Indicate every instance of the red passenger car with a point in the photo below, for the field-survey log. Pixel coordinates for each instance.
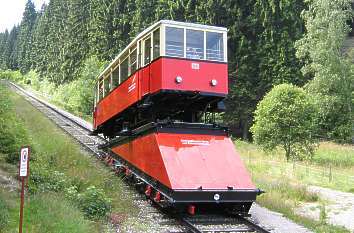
(152, 103)
(171, 69)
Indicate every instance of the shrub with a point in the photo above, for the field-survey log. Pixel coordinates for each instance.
(15, 76)
(285, 117)
(43, 179)
(77, 96)
(94, 203)
(33, 79)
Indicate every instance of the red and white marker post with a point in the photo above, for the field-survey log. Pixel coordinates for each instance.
(23, 172)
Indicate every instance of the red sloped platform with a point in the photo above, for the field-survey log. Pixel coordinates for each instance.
(188, 161)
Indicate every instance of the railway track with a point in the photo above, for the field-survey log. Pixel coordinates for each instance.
(162, 220)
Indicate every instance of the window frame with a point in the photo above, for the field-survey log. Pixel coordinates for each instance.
(147, 37)
(153, 44)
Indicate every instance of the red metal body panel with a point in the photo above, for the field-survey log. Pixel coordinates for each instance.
(188, 161)
(196, 75)
(121, 98)
(161, 75)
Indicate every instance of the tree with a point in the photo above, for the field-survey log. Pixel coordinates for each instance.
(285, 117)
(25, 37)
(261, 54)
(333, 77)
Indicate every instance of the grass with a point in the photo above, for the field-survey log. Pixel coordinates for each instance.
(334, 173)
(44, 213)
(341, 156)
(285, 182)
(64, 155)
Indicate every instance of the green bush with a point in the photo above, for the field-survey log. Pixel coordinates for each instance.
(333, 119)
(32, 78)
(43, 179)
(285, 117)
(4, 214)
(15, 76)
(94, 203)
(77, 96)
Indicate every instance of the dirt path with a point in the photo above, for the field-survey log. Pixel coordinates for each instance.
(338, 206)
(275, 222)
(8, 182)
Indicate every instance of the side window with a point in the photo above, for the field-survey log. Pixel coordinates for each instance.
(147, 51)
(124, 65)
(174, 42)
(140, 55)
(100, 87)
(115, 77)
(133, 61)
(96, 95)
(106, 85)
(156, 44)
(214, 46)
(194, 44)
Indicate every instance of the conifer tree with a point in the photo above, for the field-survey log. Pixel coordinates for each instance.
(25, 38)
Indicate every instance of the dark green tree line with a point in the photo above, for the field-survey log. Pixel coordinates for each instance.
(56, 41)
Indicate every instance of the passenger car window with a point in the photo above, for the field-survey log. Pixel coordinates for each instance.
(147, 51)
(124, 69)
(156, 44)
(214, 46)
(174, 42)
(106, 85)
(100, 88)
(194, 44)
(133, 60)
(115, 77)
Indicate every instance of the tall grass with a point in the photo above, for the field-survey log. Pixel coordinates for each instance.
(331, 174)
(47, 213)
(56, 151)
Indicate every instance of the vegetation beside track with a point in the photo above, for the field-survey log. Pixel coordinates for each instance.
(285, 182)
(61, 171)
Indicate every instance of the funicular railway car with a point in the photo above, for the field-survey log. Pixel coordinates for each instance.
(156, 101)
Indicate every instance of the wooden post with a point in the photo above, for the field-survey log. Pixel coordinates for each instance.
(22, 203)
(23, 174)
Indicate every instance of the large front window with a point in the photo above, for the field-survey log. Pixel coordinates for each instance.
(195, 44)
(174, 42)
(201, 44)
(214, 46)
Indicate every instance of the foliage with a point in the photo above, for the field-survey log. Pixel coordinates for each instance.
(77, 96)
(25, 37)
(15, 76)
(285, 117)
(13, 134)
(43, 179)
(57, 41)
(94, 203)
(66, 33)
(321, 50)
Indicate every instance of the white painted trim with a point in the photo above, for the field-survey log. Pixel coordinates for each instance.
(225, 46)
(184, 42)
(162, 40)
(205, 53)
